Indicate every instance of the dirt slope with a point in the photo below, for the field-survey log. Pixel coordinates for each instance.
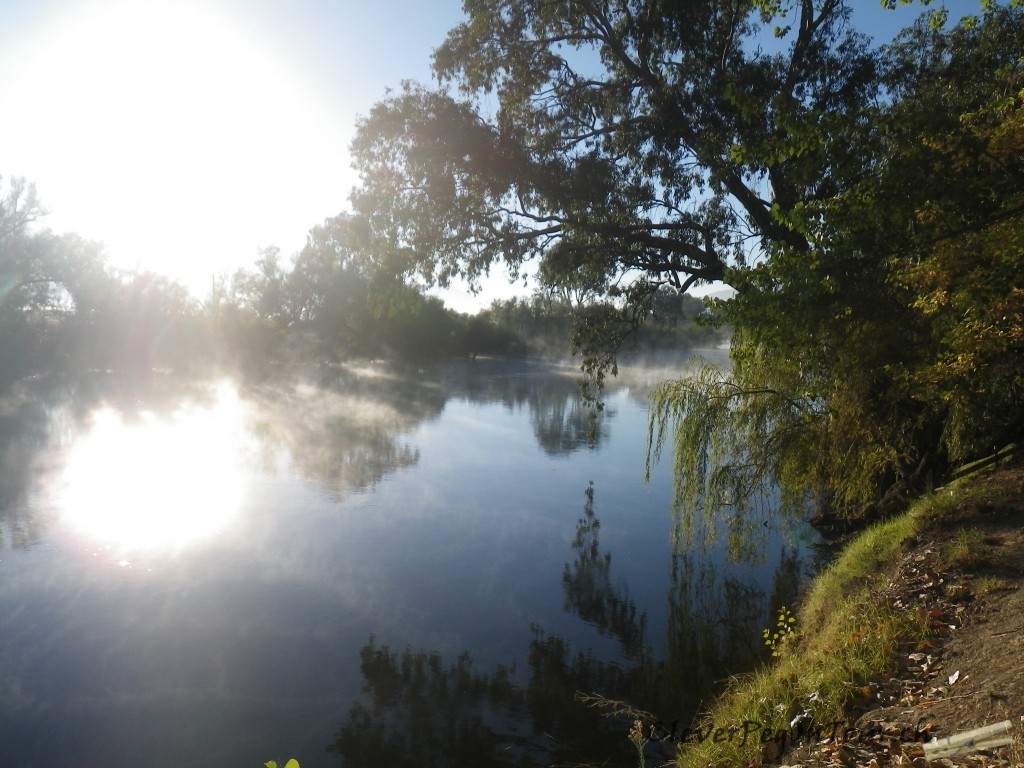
(967, 574)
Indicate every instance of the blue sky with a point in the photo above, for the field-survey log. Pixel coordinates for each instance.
(187, 134)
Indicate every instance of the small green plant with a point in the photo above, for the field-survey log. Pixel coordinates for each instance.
(989, 584)
(293, 763)
(967, 549)
(783, 628)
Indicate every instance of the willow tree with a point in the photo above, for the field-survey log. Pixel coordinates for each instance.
(650, 145)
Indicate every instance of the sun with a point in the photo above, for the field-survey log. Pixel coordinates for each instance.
(170, 131)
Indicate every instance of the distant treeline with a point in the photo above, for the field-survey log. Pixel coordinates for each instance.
(63, 308)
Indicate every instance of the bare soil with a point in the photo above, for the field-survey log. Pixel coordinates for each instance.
(966, 575)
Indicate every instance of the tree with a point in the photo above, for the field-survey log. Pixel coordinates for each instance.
(638, 144)
(963, 143)
(870, 370)
(634, 144)
(20, 260)
(19, 207)
(47, 282)
(330, 286)
(62, 307)
(262, 291)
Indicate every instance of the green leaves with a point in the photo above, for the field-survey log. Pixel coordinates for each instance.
(643, 158)
(858, 199)
(785, 626)
(293, 763)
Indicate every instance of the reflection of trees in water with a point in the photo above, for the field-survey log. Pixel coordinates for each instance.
(715, 619)
(424, 711)
(745, 528)
(789, 574)
(567, 424)
(561, 421)
(24, 436)
(714, 629)
(589, 592)
(343, 431)
(513, 384)
(346, 432)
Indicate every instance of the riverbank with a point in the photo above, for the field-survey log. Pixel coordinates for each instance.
(915, 631)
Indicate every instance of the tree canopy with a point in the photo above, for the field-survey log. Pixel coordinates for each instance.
(645, 143)
(863, 201)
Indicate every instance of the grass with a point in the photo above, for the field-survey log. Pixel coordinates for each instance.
(967, 549)
(988, 584)
(844, 637)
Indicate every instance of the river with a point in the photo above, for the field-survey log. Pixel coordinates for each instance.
(363, 568)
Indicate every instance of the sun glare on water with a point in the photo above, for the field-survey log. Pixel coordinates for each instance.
(155, 483)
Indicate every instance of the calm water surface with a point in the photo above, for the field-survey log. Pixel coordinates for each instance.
(367, 569)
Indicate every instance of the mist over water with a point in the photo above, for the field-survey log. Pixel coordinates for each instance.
(367, 563)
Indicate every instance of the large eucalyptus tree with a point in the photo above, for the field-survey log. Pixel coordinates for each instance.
(647, 141)
(630, 146)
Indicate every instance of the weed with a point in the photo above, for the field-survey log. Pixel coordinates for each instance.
(783, 629)
(989, 584)
(638, 737)
(966, 549)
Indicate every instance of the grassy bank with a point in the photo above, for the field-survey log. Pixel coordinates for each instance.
(844, 636)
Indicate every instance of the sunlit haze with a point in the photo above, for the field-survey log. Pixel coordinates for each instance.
(186, 135)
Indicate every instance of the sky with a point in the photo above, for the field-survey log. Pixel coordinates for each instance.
(185, 135)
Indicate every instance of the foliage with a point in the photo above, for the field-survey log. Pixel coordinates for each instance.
(293, 763)
(61, 307)
(963, 261)
(626, 147)
(864, 203)
(889, 352)
(783, 629)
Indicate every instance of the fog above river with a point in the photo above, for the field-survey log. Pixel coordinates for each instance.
(274, 568)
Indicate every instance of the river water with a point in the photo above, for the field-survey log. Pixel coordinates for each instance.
(361, 569)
